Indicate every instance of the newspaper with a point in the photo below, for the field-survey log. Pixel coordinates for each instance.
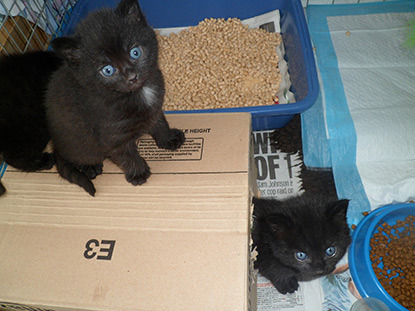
(277, 172)
(278, 177)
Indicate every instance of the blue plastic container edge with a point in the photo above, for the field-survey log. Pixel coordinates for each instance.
(307, 49)
(260, 114)
(359, 248)
(3, 167)
(369, 224)
(263, 117)
(375, 224)
(356, 245)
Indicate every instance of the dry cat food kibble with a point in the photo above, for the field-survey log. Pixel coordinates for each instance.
(219, 64)
(393, 260)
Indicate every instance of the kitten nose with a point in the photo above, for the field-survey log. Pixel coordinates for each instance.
(132, 77)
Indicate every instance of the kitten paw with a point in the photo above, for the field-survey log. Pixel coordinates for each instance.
(2, 189)
(173, 141)
(140, 178)
(289, 285)
(91, 171)
(46, 162)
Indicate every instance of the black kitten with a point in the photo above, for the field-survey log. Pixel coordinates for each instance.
(288, 139)
(299, 238)
(23, 127)
(108, 93)
(303, 237)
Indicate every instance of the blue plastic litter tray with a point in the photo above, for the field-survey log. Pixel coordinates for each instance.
(294, 31)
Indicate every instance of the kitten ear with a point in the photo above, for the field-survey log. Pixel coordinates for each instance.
(67, 48)
(337, 209)
(130, 9)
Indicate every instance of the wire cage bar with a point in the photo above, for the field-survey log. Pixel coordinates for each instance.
(28, 25)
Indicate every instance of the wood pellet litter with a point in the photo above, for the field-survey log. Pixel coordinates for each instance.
(219, 64)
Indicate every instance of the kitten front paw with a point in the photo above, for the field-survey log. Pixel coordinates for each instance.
(285, 286)
(2, 189)
(138, 178)
(174, 140)
(46, 161)
(91, 171)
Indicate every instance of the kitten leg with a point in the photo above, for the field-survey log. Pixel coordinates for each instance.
(71, 173)
(283, 278)
(134, 166)
(46, 161)
(2, 189)
(165, 137)
(91, 171)
(30, 162)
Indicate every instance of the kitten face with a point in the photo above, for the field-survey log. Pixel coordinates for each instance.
(307, 234)
(113, 49)
(121, 72)
(312, 254)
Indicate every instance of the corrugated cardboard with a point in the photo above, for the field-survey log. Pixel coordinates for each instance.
(178, 242)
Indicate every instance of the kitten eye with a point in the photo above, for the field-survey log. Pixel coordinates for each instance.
(108, 71)
(301, 256)
(135, 53)
(331, 251)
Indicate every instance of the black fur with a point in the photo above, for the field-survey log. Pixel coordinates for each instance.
(23, 127)
(308, 224)
(288, 139)
(93, 116)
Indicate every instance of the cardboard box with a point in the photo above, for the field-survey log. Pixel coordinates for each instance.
(180, 242)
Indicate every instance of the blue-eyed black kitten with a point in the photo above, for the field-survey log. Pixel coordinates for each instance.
(23, 127)
(299, 238)
(108, 93)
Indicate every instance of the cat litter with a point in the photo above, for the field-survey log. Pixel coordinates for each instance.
(218, 60)
(296, 52)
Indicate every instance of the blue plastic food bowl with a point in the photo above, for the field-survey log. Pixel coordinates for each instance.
(360, 264)
(294, 31)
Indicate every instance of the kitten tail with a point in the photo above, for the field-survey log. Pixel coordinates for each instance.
(2, 189)
(72, 174)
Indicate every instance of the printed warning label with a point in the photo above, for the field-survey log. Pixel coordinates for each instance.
(192, 149)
